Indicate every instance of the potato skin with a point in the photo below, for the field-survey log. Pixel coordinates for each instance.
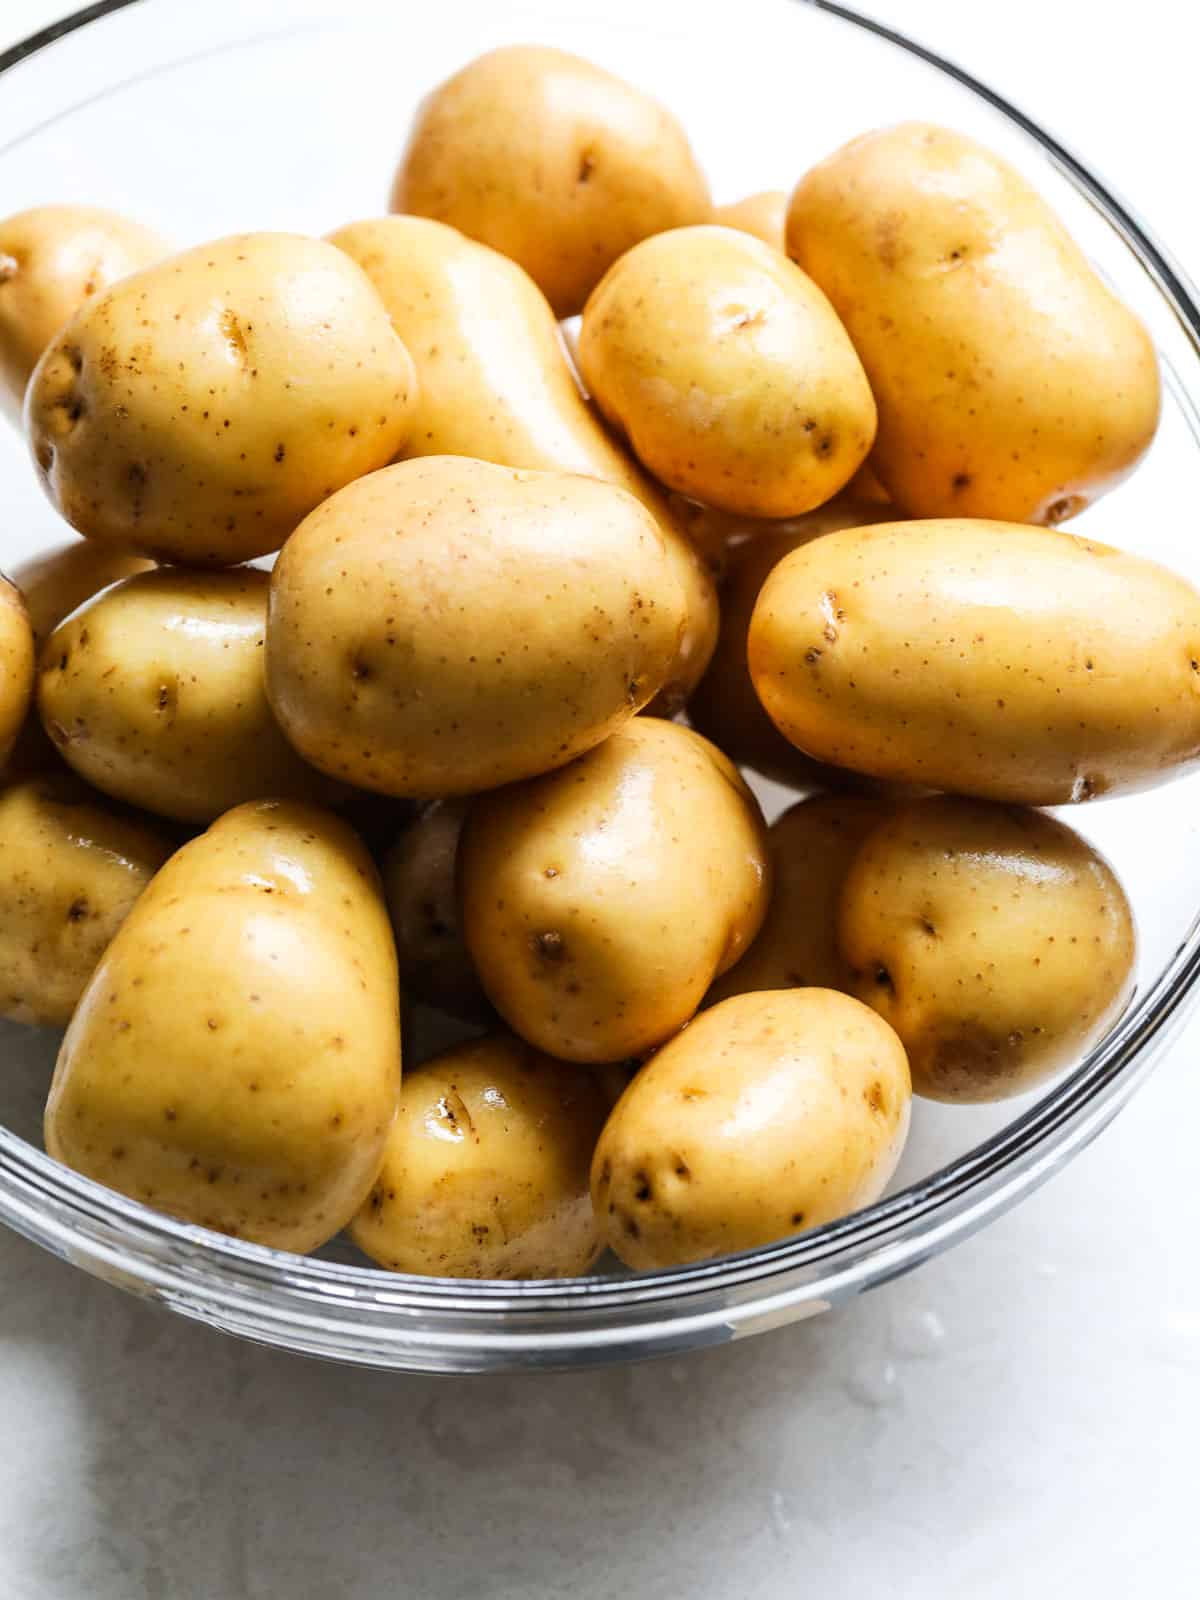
(198, 410)
(600, 901)
(970, 304)
(448, 625)
(70, 869)
(16, 666)
(771, 1113)
(990, 659)
(763, 214)
(729, 372)
(419, 884)
(486, 1170)
(235, 1059)
(551, 161)
(153, 691)
(494, 383)
(996, 941)
(52, 260)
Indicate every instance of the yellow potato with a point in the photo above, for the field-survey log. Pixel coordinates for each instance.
(153, 691)
(447, 625)
(763, 214)
(486, 1169)
(996, 942)
(494, 383)
(422, 900)
(728, 371)
(552, 161)
(52, 260)
(769, 1114)
(599, 902)
(198, 410)
(235, 1059)
(70, 869)
(16, 666)
(1006, 662)
(1011, 382)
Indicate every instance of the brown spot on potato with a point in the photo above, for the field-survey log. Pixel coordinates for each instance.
(549, 946)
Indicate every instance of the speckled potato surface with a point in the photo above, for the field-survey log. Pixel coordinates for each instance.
(153, 691)
(235, 1059)
(448, 625)
(1011, 382)
(728, 371)
(1011, 663)
(600, 901)
(16, 666)
(552, 161)
(769, 1114)
(198, 410)
(486, 1169)
(763, 214)
(70, 869)
(994, 939)
(52, 260)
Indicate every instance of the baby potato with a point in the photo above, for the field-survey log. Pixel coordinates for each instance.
(1011, 382)
(1006, 662)
(763, 214)
(53, 259)
(16, 666)
(422, 901)
(235, 1058)
(995, 940)
(153, 691)
(728, 371)
(600, 901)
(769, 1114)
(197, 411)
(70, 869)
(494, 383)
(448, 625)
(552, 161)
(485, 1173)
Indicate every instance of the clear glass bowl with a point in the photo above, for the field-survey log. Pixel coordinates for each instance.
(202, 120)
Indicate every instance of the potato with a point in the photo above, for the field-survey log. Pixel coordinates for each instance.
(494, 383)
(996, 942)
(70, 869)
(153, 691)
(16, 666)
(422, 900)
(600, 902)
(53, 259)
(1011, 382)
(728, 371)
(448, 625)
(812, 847)
(763, 214)
(235, 1059)
(1006, 662)
(486, 1169)
(198, 410)
(552, 161)
(769, 1114)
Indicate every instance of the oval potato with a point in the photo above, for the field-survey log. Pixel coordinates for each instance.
(16, 666)
(763, 214)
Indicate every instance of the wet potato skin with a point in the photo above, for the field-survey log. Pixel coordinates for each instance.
(16, 666)
(995, 940)
(771, 1113)
(990, 659)
(763, 214)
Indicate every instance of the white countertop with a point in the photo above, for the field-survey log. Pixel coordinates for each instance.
(1018, 1417)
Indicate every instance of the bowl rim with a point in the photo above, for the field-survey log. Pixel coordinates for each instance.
(369, 1316)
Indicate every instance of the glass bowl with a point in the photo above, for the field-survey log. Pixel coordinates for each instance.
(203, 120)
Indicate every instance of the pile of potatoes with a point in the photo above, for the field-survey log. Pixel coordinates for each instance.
(800, 478)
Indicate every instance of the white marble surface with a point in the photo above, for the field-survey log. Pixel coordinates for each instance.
(1017, 1417)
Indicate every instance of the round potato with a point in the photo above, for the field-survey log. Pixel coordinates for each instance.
(70, 869)
(485, 1174)
(494, 383)
(235, 1058)
(16, 666)
(995, 940)
(153, 691)
(728, 371)
(769, 1114)
(1006, 662)
(763, 214)
(198, 410)
(600, 902)
(53, 259)
(552, 161)
(1011, 382)
(447, 625)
